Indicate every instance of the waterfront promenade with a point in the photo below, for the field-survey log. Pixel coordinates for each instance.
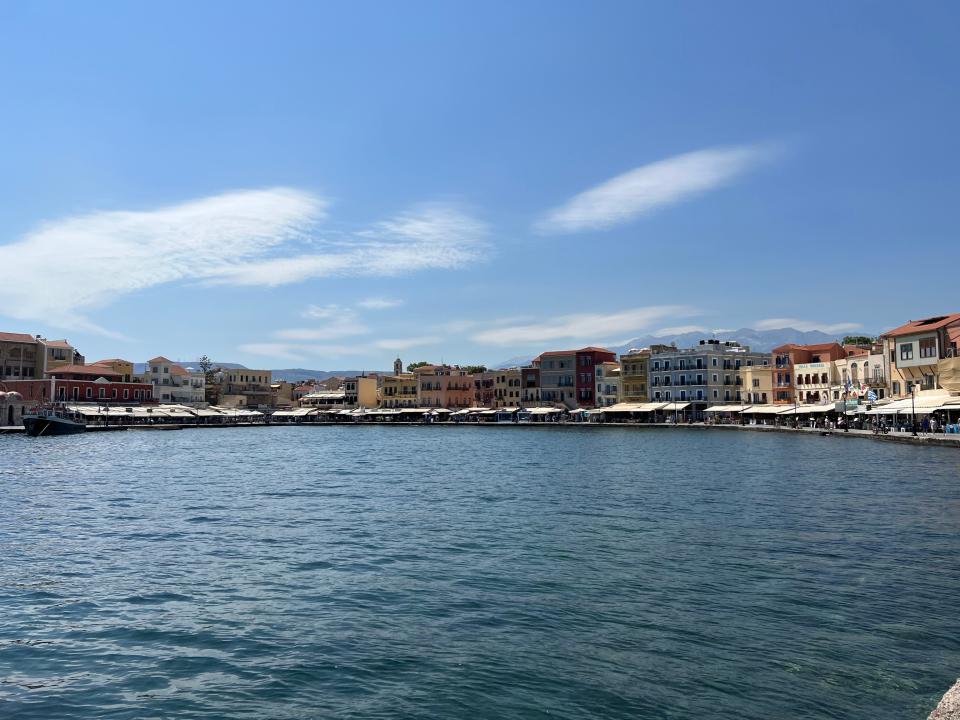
(928, 439)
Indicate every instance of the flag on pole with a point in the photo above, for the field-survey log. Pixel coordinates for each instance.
(871, 396)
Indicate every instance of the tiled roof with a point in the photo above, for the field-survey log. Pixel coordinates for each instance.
(17, 338)
(177, 370)
(110, 360)
(160, 360)
(92, 370)
(918, 326)
(59, 344)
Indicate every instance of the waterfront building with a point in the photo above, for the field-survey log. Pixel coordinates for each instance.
(484, 388)
(175, 384)
(444, 386)
(82, 383)
(787, 357)
(122, 367)
(21, 357)
(757, 384)
(507, 392)
(12, 406)
(568, 377)
(282, 394)
(399, 391)
(924, 355)
(707, 374)
(634, 375)
(530, 387)
(608, 383)
(59, 353)
(247, 388)
(360, 391)
(325, 400)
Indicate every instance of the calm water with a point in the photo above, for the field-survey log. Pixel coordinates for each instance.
(422, 572)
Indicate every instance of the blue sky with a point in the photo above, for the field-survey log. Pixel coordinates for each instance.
(327, 185)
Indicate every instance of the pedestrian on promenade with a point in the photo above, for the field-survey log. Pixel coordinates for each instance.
(925, 425)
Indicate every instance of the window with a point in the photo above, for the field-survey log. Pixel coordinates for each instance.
(896, 388)
(102, 394)
(714, 376)
(89, 392)
(928, 347)
(756, 382)
(714, 362)
(166, 370)
(906, 351)
(715, 396)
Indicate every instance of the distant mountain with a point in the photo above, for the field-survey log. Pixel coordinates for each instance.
(299, 374)
(140, 368)
(759, 340)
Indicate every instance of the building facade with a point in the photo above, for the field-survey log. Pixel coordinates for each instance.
(634, 376)
(399, 391)
(757, 384)
(247, 388)
(444, 386)
(530, 387)
(608, 383)
(21, 357)
(360, 391)
(707, 374)
(507, 391)
(924, 355)
(173, 383)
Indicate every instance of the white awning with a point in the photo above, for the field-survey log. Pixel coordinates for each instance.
(545, 411)
(671, 406)
(727, 408)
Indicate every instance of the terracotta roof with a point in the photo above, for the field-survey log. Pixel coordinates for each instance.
(177, 370)
(93, 370)
(592, 348)
(59, 344)
(853, 350)
(556, 352)
(918, 326)
(110, 360)
(17, 338)
(160, 360)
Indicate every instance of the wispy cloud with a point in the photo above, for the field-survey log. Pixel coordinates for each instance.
(253, 237)
(805, 325)
(650, 187)
(379, 303)
(272, 350)
(680, 330)
(585, 327)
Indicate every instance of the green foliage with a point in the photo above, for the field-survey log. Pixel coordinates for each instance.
(473, 369)
(413, 366)
(857, 340)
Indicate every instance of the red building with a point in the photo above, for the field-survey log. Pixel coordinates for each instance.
(587, 360)
(786, 356)
(83, 383)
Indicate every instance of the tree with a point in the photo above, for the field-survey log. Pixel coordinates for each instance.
(857, 340)
(475, 369)
(211, 388)
(413, 366)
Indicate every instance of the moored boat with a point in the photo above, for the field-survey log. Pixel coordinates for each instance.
(51, 422)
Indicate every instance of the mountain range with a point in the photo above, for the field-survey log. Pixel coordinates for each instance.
(761, 340)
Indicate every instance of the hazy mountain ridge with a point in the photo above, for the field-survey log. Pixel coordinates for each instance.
(759, 340)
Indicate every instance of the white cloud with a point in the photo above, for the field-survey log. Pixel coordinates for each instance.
(586, 327)
(378, 303)
(322, 312)
(650, 187)
(406, 343)
(805, 325)
(432, 236)
(680, 330)
(253, 237)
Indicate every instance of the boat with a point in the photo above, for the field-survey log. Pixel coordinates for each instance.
(50, 421)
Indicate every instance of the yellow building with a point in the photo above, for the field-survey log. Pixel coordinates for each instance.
(399, 391)
(360, 391)
(634, 372)
(506, 388)
(124, 368)
(756, 384)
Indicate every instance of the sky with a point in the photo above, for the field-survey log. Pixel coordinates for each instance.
(331, 185)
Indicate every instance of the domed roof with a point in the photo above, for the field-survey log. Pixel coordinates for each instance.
(13, 395)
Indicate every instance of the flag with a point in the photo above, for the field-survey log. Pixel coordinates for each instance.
(871, 396)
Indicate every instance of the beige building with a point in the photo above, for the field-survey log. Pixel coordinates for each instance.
(506, 389)
(443, 386)
(757, 384)
(399, 391)
(360, 391)
(21, 357)
(634, 376)
(247, 388)
(924, 355)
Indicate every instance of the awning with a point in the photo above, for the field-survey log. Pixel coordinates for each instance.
(727, 408)
(675, 406)
(545, 411)
(767, 409)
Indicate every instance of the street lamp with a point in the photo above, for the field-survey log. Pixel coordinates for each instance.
(913, 408)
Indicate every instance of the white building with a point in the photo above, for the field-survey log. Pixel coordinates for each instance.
(608, 383)
(174, 384)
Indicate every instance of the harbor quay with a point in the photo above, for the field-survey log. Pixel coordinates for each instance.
(904, 382)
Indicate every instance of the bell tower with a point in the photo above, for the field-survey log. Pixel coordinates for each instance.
(397, 367)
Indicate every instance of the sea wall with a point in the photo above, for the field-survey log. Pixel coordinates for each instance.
(949, 707)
